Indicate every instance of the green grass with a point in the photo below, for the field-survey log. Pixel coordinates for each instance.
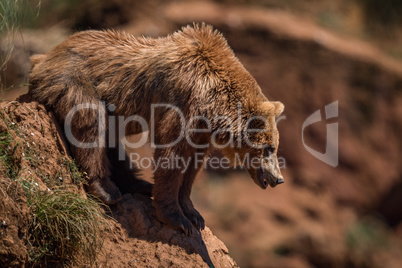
(56, 180)
(7, 155)
(366, 237)
(8, 15)
(12, 14)
(32, 156)
(9, 22)
(8, 148)
(76, 176)
(65, 226)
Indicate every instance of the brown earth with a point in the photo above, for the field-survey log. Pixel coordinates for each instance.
(134, 239)
(347, 216)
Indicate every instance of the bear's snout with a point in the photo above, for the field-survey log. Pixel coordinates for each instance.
(263, 178)
(278, 181)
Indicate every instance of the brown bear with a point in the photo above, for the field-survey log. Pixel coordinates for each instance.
(188, 86)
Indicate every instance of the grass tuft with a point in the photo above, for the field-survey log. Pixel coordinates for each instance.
(364, 238)
(77, 177)
(7, 155)
(12, 15)
(9, 22)
(65, 226)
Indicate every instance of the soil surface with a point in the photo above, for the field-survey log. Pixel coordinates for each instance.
(135, 238)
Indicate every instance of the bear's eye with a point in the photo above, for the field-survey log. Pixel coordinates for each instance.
(268, 150)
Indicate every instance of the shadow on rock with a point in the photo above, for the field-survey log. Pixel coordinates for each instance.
(137, 216)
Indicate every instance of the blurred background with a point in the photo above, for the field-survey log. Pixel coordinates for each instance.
(306, 54)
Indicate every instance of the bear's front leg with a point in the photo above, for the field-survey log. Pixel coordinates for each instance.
(195, 163)
(166, 193)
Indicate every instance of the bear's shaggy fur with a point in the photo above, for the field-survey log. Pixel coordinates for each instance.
(194, 70)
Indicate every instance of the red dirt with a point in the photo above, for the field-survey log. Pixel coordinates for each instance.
(136, 238)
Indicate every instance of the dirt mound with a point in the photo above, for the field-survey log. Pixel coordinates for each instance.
(14, 218)
(150, 243)
(31, 155)
(34, 160)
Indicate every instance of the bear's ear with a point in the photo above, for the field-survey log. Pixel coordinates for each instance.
(272, 107)
(267, 108)
(279, 107)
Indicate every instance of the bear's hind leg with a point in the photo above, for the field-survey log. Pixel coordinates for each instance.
(86, 131)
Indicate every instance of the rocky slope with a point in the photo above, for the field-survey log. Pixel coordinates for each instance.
(33, 160)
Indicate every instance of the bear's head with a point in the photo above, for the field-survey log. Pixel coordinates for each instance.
(244, 125)
(259, 145)
(263, 138)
